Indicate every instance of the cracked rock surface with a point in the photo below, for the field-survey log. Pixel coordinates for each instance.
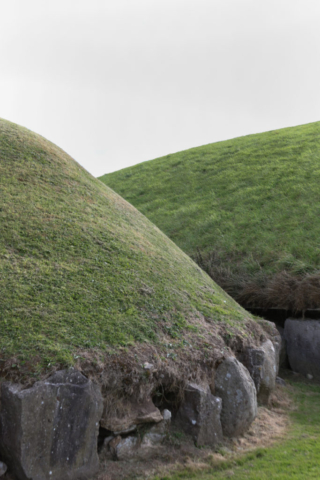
(49, 431)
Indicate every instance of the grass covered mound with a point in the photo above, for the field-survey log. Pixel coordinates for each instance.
(83, 270)
(246, 209)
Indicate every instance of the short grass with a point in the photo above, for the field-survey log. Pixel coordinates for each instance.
(297, 457)
(82, 269)
(254, 200)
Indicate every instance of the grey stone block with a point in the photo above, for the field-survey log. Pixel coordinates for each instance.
(199, 415)
(234, 385)
(271, 329)
(262, 366)
(50, 431)
(303, 345)
(127, 414)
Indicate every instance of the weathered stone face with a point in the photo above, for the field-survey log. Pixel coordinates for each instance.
(303, 345)
(50, 431)
(128, 414)
(133, 446)
(275, 337)
(262, 366)
(158, 431)
(125, 448)
(199, 415)
(268, 372)
(236, 388)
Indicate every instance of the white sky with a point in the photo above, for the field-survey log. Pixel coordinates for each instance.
(118, 82)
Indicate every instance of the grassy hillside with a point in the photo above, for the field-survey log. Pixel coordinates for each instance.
(248, 209)
(81, 269)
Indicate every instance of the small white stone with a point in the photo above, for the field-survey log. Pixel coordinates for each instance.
(166, 415)
(148, 366)
(193, 422)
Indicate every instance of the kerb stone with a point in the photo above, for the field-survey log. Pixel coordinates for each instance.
(199, 415)
(234, 385)
(50, 431)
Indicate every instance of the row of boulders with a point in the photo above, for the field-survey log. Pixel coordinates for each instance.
(202, 415)
(50, 431)
(230, 412)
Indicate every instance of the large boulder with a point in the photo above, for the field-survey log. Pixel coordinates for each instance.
(50, 431)
(199, 415)
(234, 385)
(303, 345)
(262, 365)
(271, 329)
(124, 416)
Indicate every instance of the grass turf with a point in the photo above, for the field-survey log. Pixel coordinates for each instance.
(254, 201)
(80, 268)
(297, 457)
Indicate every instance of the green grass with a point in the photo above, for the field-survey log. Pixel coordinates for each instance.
(254, 200)
(81, 269)
(297, 457)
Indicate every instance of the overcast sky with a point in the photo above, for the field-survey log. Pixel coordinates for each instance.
(118, 82)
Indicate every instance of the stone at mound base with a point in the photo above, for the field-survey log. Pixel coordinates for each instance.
(199, 415)
(50, 431)
(128, 413)
(236, 388)
(262, 366)
(303, 345)
(125, 448)
(157, 432)
(274, 335)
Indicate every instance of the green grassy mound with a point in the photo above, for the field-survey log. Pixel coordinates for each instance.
(247, 209)
(83, 270)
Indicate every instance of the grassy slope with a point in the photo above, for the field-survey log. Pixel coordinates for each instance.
(255, 200)
(80, 268)
(297, 457)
